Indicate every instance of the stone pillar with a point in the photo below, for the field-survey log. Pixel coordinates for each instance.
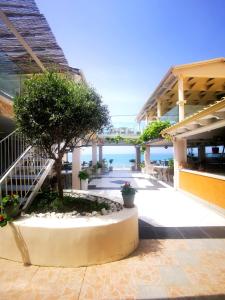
(138, 158)
(180, 157)
(100, 153)
(94, 153)
(147, 156)
(76, 168)
(181, 102)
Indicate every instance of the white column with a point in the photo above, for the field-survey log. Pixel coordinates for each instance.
(138, 158)
(180, 157)
(159, 109)
(76, 168)
(181, 100)
(100, 153)
(147, 156)
(94, 153)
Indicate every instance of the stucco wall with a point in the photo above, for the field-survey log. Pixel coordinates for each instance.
(205, 187)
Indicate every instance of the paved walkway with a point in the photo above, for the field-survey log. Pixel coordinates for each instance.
(181, 254)
(159, 205)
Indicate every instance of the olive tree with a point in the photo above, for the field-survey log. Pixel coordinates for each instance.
(56, 114)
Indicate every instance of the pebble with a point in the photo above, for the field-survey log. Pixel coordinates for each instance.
(113, 207)
(103, 211)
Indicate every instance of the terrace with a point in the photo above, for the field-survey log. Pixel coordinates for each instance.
(181, 253)
(182, 240)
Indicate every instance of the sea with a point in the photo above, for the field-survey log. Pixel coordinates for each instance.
(121, 161)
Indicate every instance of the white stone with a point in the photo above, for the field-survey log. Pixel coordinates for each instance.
(104, 211)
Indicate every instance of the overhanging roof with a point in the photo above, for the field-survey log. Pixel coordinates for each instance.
(25, 17)
(209, 118)
(159, 143)
(169, 80)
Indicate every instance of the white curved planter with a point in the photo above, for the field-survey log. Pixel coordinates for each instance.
(82, 241)
(84, 184)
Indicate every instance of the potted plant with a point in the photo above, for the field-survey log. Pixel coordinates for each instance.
(142, 165)
(11, 205)
(99, 167)
(3, 220)
(105, 166)
(94, 169)
(83, 175)
(128, 194)
(110, 163)
(132, 161)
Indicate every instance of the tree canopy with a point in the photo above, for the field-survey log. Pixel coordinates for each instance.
(53, 110)
(153, 130)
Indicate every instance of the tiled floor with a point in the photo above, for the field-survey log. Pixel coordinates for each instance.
(176, 259)
(158, 204)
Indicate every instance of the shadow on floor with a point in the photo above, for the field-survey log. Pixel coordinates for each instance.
(143, 249)
(148, 231)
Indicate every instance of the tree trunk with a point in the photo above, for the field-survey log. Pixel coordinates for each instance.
(58, 167)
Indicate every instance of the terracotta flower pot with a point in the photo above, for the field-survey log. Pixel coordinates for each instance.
(128, 200)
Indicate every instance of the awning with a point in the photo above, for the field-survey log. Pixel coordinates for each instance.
(209, 118)
(23, 27)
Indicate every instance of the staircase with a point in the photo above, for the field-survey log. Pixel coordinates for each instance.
(26, 173)
(11, 147)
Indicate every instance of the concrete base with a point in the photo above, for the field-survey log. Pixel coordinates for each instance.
(81, 241)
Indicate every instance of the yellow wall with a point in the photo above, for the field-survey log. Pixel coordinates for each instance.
(206, 188)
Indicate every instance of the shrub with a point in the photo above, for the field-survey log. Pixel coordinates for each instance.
(83, 175)
(153, 130)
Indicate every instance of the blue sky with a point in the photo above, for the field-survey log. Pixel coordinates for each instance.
(125, 47)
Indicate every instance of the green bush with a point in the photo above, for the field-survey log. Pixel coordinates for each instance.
(99, 165)
(153, 130)
(50, 202)
(83, 175)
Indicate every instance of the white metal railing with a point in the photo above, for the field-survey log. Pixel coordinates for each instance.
(11, 147)
(26, 175)
(122, 131)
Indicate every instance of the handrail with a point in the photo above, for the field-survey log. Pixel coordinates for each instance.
(26, 175)
(11, 147)
(14, 165)
(6, 137)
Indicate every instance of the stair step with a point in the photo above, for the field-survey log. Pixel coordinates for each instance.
(34, 167)
(25, 177)
(13, 188)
